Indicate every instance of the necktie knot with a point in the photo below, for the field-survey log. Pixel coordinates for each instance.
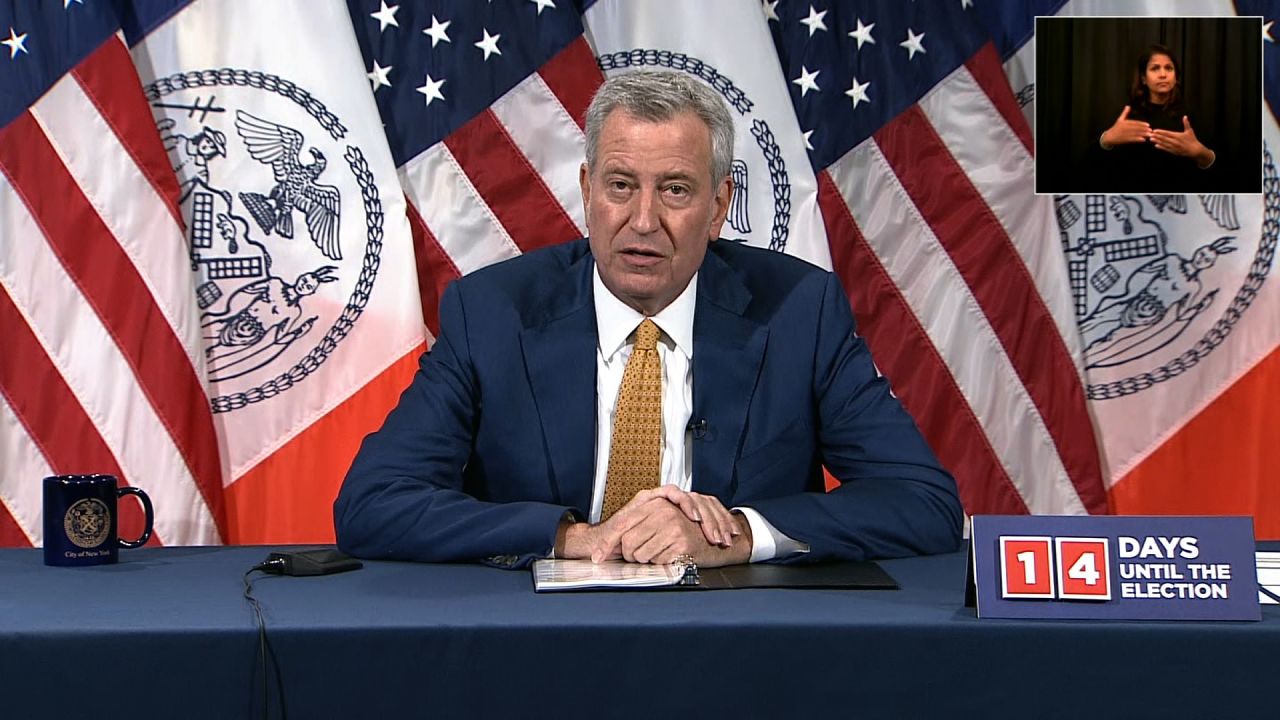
(647, 335)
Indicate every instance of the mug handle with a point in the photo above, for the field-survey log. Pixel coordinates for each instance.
(146, 510)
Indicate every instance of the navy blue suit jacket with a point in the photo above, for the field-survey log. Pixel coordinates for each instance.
(494, 440)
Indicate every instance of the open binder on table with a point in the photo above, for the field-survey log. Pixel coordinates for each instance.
(562, 575)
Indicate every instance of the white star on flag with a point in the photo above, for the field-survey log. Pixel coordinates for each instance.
(814, 21)
(489, 44)
(807, 81)
(543, 5)
(431, 89)
(863, 34)
(859, 92)
(437, 31)
(385, 15)
(913, 44)
(15, 43)
(378, 76)
(771, 10)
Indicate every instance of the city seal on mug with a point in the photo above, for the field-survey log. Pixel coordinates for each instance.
(87, 522)
(81, 522)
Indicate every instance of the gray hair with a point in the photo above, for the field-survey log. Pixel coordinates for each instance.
(657, 96)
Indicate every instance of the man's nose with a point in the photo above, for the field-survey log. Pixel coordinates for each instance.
(644, 213)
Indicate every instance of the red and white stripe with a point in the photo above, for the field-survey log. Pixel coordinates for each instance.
(501, 185)
(102, 370)
(950, 261)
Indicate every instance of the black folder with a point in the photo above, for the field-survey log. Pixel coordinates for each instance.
(840, 575)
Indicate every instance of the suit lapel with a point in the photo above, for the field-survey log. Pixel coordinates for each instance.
(560, 358)
(728, 349)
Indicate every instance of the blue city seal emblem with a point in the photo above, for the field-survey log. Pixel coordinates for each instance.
(1159, 281)
(87, 522)
(283, 220)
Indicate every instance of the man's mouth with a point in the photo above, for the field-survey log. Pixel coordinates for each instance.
(640, 256)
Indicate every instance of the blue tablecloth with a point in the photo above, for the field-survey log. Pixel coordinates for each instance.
(166, 633)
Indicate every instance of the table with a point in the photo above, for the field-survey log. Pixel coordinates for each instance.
(166, 633)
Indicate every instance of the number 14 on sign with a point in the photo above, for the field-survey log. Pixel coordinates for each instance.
(1061, 568)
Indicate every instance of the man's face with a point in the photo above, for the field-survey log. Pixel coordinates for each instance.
(651, 206)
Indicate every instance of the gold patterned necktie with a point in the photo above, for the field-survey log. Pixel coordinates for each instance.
(636, 449)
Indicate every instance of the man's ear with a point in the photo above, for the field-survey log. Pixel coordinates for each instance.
(724, 193)
(584, 184)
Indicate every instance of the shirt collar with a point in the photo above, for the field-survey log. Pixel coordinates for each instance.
(615, 320)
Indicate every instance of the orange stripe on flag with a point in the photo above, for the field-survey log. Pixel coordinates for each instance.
(1223, 462)
(288, 498)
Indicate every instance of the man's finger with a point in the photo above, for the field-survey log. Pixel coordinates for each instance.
(718, 526)
(642, 543)
(680, 499)
(654, 549)
(629, 516)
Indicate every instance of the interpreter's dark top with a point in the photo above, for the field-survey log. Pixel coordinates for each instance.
(1144, 168)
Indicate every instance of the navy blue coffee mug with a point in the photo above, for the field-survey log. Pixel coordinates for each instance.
(80, 519)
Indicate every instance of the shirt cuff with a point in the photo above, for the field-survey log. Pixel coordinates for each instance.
(767, 542)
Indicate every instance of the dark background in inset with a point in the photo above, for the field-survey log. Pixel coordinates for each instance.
(1084, 67)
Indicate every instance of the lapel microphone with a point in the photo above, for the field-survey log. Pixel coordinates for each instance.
(698, 428)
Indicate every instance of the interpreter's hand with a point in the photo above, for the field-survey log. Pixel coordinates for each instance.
(1124, 130)
(1183, 143)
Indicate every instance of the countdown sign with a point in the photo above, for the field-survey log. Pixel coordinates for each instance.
(1119, 568)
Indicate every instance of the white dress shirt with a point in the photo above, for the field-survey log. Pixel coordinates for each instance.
(615, 324)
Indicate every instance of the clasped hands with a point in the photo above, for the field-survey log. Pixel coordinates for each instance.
(1182, 143)
(657, 526)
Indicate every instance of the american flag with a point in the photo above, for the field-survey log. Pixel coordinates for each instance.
(484, 105)
(922, 161)
(100, 354)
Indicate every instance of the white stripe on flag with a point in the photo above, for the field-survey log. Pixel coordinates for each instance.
(554, 144)
(454, 212)
(998, 165)
(127, 203)
(957, 327)
(86, 356)
(21, 489)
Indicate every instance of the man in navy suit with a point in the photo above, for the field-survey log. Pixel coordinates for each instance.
(498, 450)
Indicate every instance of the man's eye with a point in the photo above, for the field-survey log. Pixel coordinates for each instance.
(678, 190)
